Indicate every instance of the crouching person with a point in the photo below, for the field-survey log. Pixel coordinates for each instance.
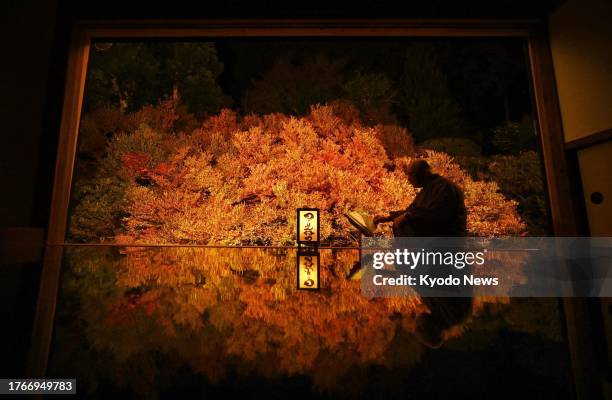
(438, 210)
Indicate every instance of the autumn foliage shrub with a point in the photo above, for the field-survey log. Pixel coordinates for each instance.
(520, 177)
(238, 180)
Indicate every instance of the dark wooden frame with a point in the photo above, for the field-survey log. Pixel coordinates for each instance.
(548, 115)
(589, 140)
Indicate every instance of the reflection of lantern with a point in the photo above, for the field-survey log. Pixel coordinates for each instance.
(308, 270)
(308, 226)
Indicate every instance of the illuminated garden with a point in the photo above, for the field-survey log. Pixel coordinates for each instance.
(183, 215)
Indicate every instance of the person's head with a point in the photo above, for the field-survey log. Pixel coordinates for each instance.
(418, 172)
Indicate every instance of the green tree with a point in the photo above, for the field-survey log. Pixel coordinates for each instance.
(123, 75)
(131, 75)
(291, 88)
(194, 69)
(373, 94)
(427, 104)
(483, 71)
(515, 137)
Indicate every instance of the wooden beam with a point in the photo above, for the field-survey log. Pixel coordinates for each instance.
(589, 140)
(551, 135)
(301, 27)
(68, 135)
(42, 330)
(563, 208)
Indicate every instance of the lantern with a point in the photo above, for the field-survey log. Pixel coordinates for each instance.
(308, 226)
(308, 270)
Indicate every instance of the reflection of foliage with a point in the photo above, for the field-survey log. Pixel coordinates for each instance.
(131, 75)
(237, 181)
(124, 316)
(213, 307)
(539, 317)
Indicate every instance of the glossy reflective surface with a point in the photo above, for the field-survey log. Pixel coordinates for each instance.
(157, 322)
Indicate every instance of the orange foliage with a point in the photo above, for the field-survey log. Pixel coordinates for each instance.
(238, 183)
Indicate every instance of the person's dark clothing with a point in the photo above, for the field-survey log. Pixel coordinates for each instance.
(438, 210)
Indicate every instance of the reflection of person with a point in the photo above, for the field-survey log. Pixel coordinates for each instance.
(438, 210)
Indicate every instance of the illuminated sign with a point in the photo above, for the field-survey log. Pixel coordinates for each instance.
(308, 270)
(308, 226)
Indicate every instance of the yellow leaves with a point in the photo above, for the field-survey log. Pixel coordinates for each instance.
(324, 120)
(235, 181)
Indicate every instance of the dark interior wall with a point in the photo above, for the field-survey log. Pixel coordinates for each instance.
(27, 40)
(27, 45)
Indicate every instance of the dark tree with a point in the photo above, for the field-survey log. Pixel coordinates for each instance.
(291, 86)
(427, 103)
(131, 75)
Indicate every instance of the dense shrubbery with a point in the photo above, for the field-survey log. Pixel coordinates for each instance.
(515, 137)
(131, 75)
(520, 178)
(292, 88)
(239, 180)
(518, 174)
(425, 89)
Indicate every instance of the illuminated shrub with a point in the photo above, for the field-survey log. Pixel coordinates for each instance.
(102, 178)
(397, 141)
(239, 180)
(520, 178)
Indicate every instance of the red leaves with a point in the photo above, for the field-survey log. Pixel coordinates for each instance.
(227, 181)
(135, 162)
(162, 169)
(161, 117)
(137, 166)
